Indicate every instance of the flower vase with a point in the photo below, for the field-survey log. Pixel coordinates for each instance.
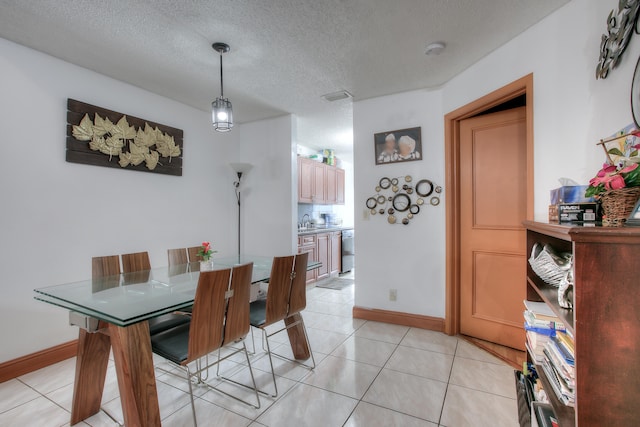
(206, 265)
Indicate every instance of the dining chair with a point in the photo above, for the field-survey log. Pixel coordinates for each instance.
(139, 262)
(237, 325)
(193, 254)
(177, 256)
(286, 297)
(187, 344)
(102, 266)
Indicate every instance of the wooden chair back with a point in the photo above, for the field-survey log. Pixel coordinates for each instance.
(138, 261)
(279, 289)
(177, 256)
(298, 295)
(237, 322)
(102, 266)
(193, 254)
(105, 272)
(207, 319)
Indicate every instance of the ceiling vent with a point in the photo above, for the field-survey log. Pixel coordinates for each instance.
(337, 96)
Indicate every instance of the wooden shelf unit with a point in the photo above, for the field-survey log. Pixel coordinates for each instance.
(605, 320)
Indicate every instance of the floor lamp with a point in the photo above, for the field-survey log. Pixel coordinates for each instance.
(240, 169)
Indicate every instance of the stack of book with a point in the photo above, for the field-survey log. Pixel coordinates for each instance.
(559, 366)
(540, 324)
(552, 348)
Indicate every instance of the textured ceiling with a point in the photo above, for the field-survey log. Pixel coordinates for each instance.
(284, 55)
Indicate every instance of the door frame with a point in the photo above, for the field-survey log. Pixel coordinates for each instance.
(522, 86)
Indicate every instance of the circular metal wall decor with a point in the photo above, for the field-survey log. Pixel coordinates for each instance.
(384, 183)
(424, 188)
(397, 201)
(621, 25)
(635, 95)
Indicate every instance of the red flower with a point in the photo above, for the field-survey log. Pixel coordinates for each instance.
(615, 183)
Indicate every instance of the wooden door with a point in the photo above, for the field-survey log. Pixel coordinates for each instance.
(305, 181)
(493, 204)
(319, 192)
(336, 252)
(340, 186)
(324, 254)
(331, 188)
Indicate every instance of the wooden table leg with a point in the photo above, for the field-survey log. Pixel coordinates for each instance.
(91, 370)
(299, 345)
(136, 378)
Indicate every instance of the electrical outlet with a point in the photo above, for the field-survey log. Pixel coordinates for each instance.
(365, 215)
(393, 294)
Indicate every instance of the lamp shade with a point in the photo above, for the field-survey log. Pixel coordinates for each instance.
(241, 167)
(222, 114)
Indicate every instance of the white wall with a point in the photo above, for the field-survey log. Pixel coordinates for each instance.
(269, 190)
(56, 215)
(572, 111)
(407, 258)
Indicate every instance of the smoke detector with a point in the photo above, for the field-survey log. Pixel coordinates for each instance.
(434, 49)
(337, 96)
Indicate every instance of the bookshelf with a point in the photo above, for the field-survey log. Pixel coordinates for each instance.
(605, 320)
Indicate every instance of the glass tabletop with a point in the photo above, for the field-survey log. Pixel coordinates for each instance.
(133, 297)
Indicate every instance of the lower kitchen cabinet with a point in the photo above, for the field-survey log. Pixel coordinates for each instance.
(336, 253)
(308, 243)
(324, 255)
(325, 248)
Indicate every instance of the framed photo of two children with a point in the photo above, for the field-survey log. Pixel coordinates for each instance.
(403, 145)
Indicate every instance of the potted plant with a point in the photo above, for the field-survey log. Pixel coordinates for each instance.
(618, 188)
(205, 253)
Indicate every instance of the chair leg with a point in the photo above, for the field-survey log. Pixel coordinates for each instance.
(306, 337)
(253, 379)
(193, 406)
(273, 371)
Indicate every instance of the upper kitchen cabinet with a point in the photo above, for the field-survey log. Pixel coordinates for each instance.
(319, 183)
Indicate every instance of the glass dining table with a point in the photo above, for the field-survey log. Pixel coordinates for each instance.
(112, 313)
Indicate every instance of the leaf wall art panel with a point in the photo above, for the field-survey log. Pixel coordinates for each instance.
(100, 137)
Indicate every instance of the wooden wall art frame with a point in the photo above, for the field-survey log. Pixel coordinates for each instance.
(101, 137)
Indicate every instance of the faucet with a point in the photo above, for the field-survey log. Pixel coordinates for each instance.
(305, 224)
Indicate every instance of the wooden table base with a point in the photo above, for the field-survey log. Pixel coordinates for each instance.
(134, 368)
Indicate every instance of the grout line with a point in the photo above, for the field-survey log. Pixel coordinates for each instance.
(446, 390)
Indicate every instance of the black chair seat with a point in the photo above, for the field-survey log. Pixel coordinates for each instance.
(172, 344)
(167, 321)
(258, 313)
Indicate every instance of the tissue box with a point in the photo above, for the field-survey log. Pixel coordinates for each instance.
(570, 194)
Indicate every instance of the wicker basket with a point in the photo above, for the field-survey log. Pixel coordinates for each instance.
(618, 205)
(550, 266)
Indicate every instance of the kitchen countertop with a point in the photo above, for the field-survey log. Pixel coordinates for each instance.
(322, 230)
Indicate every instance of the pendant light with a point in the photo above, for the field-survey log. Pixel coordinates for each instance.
(221, 110)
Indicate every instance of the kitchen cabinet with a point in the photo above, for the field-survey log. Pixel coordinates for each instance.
(305, 181)
(324, 255)
(331, 186)
(325, 248)
(336, 253)
(339, 186)
(319, 183)
(308, 244)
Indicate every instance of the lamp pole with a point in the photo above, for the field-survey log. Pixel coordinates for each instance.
(237, 186)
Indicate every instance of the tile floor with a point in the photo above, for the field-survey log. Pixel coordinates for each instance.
(367, 374)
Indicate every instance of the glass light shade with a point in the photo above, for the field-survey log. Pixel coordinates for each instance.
(222, 114)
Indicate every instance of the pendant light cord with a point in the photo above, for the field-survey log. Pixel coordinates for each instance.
(221, 84)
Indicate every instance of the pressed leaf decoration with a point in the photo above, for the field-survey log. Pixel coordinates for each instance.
(83, 131)
(143, 145)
